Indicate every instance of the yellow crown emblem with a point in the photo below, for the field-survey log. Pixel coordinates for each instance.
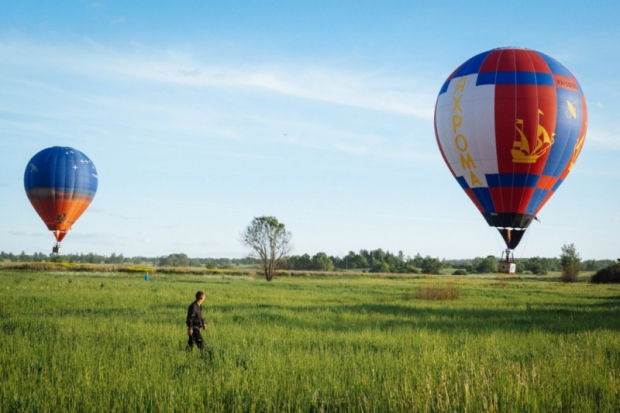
(576, 152)
(521, 151)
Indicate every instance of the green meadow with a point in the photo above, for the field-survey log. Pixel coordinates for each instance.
(114, 342)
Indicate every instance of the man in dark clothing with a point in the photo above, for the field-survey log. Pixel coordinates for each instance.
(195, 322)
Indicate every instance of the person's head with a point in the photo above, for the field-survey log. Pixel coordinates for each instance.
(200, 297)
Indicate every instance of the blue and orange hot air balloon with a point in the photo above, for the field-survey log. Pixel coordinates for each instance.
(510, 124)
(60, 183)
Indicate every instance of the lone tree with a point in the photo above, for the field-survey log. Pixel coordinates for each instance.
(270, 241)
(571, 263)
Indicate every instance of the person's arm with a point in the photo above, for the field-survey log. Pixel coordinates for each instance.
(202, 320)
(190, 315)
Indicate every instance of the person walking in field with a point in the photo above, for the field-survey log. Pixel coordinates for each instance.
(195, 322)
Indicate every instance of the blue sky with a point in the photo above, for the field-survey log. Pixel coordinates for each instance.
(201, 115)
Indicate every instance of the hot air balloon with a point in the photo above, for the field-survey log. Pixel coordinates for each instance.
(60, 183)
(510, 124)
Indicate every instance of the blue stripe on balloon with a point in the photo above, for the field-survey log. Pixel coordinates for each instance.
(506, 78)
(46, 192)
(462, 182)
(520, 180)
(515, 78)
(537, 197)
(486, 78)
(484, 197)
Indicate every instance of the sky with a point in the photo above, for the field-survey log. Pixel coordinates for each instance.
(201, 115)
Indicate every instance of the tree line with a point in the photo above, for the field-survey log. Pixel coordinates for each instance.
(374, 261)
(171, 260)
(366, 260)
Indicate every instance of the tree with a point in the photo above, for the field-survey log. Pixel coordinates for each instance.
(487, 265)
(571, 263)
(173, 260)
(270, 241)
(431, 265)
(537, 265)
(418, 260)
(379, 266)
(360, 261)
(303, 262)
(321, 262)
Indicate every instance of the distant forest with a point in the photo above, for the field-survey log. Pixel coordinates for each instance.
(364, 261)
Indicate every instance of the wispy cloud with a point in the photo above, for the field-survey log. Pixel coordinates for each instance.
(115, 215)
(98, 238)
(367, 90)
(375, 114)
(28, 234)
(350, 89)
(194, 244)
(602, 139)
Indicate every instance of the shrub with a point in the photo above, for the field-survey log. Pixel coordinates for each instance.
(459, 272)
(141, 269)
(608, 275)
(438, 293)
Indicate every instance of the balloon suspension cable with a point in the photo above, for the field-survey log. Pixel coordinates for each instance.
(507, 255)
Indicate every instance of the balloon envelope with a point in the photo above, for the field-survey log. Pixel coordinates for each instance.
(510, 124)
(60, 183)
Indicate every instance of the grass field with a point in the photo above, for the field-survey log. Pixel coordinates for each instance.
(112, 342)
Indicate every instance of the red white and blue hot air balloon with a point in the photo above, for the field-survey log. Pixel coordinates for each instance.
(510, 124)
(60, 183)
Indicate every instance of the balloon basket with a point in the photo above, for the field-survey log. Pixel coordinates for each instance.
(506, 264)
(56, 249)
(506, 267)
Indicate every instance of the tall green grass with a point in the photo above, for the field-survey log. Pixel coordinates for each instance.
(114, 342)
